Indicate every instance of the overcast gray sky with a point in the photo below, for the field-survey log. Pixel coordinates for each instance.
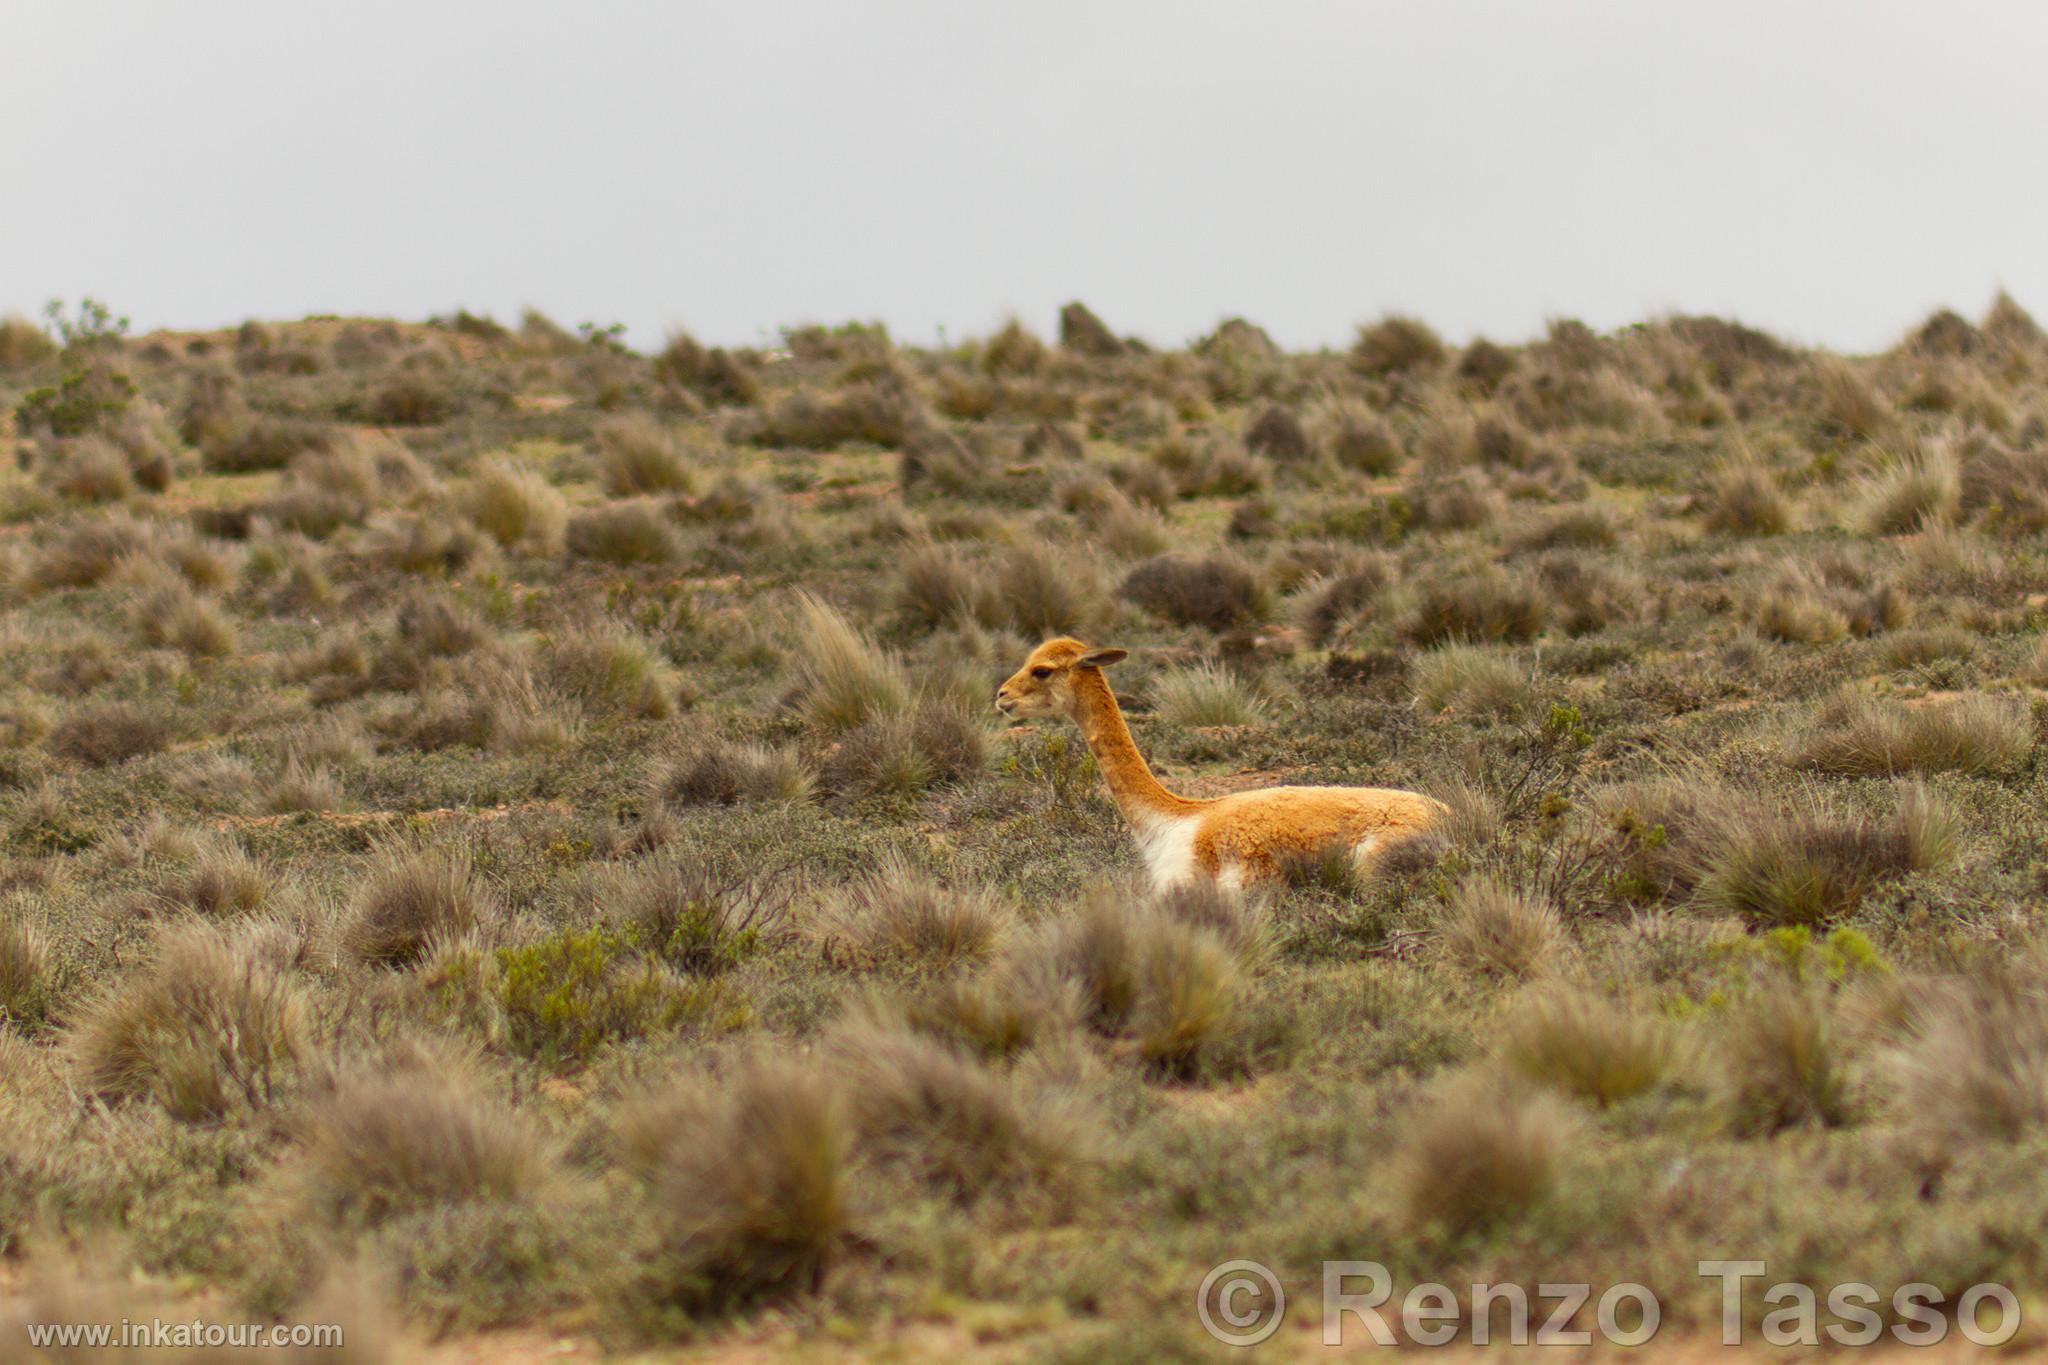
(1831, 170)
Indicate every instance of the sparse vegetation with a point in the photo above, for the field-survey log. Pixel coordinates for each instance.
(519, 825)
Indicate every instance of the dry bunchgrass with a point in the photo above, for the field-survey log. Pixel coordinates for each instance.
(1489, 928)
(109, 733)
(1863, 736)
(846, 677)
(1207, 694)
(1587, 1046)
(224, 881)
(748, 1183)
(207, 1025)
(1912, 491)
(518, 507)
(611, 671)
(636, 456)
(1974, 1066)
(1472, 680)
(412, 898)
(898, 913)
(1783, 1060)
(1215, 592)
(1397, 345)
(901, 756)
(1745, 500)
(1172, 991)
(1475, 1157)
(394, 1137)
(718, 772)
(623, 533)
(27, 969)
(949, 1120)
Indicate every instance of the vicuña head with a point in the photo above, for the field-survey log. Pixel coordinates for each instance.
(1235, 840)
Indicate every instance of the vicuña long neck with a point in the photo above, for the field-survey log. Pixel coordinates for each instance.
(1138, 793)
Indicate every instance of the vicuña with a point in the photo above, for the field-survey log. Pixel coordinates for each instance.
(1234, 841)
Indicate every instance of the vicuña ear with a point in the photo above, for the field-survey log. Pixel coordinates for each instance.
(1101, 658)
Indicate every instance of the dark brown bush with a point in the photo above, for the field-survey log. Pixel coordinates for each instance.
(1487, 605)
(1396, 345)
(1482, 366)
(1085, 334)
(631, 532)
(111, 733)
(1947, 335)
(1279, 435)
(1214, 593)
(270, 443)
(712, 373)
(410, 400)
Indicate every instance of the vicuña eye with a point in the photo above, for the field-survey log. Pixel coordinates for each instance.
(1041, 673)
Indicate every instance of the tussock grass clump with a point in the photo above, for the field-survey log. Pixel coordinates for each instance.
(1746, 501)
(85, 553)
(1215, 593)
(1207, 694)
(1172, 990)
(1280, 436)
(1862, 736)
(107, 733)
(387, 1141)
(1356, 437)
(1974, 1067)
(939, 586)
(27, 971)
(1489, 928)
(718, 772)
(177, 618)
(749, 1183)
(1326, 605)
(412, 898)
(1587, 1046)
(1927, 645)
(1472, 680)
(713, 373)
(1850, 408)
(1489, 605)
(1812, 868)
(1397, 345)
(610, 670)
(518, 507)
(899, 913)
(301, 786)
(846, 678)
(1913, 491)
(903, 755)
(1798, 611)
(267, 443)
(623, 533)
(1043, 594)
(224, 882)
(636, 455)
(94, 469)
(206, 1025)
(1474, 1158)
(1784, 1064)
(948, 1119)
(1484, 366)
